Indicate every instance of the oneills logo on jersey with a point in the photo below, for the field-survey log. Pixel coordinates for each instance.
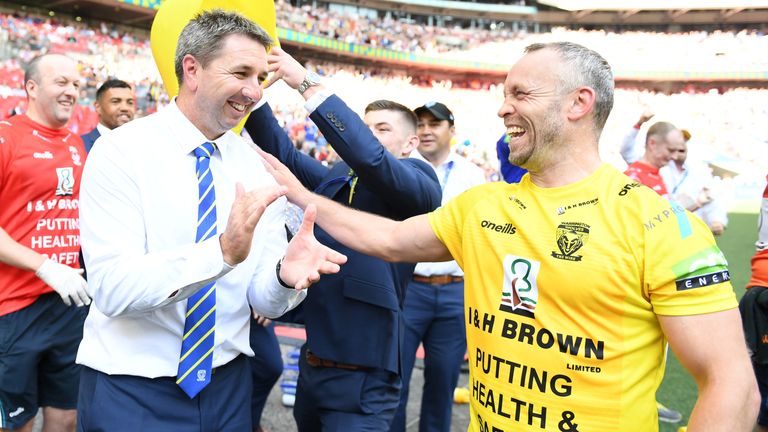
(628, 187)
(571, 236)
(520, 292)
(65, 181)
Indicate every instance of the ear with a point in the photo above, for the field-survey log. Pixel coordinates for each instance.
(411, 144)
(581, 103)
(190, 67)
(453, 130)
(31, 87)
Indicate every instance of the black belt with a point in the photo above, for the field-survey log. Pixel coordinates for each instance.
(316, 361)
(438, 279)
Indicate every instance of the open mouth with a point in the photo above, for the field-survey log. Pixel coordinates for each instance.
(515, 131)
(238, 107)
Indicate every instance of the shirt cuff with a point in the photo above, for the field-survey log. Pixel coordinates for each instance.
(317, 99)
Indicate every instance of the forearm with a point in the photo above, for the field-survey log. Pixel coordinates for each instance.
(15, 254)
(727, 405)
(127, 283)
(411, 240)
(265, 294)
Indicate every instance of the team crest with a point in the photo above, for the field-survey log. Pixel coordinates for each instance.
(520, 292)
(65, 181)
(571, 236)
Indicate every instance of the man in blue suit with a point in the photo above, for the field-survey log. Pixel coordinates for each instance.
(350, 367)
(115, 105)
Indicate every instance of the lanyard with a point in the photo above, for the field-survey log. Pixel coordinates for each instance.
(685, 174)
(350, 178)
(448, 169)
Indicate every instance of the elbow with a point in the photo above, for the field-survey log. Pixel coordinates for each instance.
(107, 308)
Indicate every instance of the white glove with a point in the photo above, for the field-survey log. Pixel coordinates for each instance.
(66, 281)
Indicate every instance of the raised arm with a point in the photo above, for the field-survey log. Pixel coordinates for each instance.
(408, 183)
(711, 346)
(266, 133)
(411, 240)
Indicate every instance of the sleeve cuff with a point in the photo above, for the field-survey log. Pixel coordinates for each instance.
(317, 99)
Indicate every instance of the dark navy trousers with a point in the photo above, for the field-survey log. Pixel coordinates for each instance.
(434, 317)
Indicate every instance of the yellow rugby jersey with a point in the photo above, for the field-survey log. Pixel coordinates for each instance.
(562, 288)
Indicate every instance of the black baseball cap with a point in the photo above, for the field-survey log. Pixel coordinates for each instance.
(438, 110)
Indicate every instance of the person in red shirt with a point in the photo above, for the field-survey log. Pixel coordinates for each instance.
(662, 140)
(41, 287)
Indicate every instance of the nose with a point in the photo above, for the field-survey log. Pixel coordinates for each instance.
(72, 90)
(253, 90)
(505, 109)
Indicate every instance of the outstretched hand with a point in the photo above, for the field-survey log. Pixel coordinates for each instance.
(306, 259)
(296, 192)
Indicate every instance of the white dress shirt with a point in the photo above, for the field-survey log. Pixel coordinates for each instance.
(690, 182)
(456, 174)
(138, 214)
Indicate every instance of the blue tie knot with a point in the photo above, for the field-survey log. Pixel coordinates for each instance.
(205, 150)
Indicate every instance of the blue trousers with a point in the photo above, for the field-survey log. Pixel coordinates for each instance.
(125, 403)
(434, 317)
(266, 366)
(340, 400)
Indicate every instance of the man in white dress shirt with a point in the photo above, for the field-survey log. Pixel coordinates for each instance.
(434, 302)
(140, 198)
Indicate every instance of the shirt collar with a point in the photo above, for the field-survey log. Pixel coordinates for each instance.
(452, 156)
(187, 134)
(103, 130)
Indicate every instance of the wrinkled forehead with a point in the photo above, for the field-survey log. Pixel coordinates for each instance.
(537, 68)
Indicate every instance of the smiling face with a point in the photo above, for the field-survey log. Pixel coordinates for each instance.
(434, 137)
(221, 93)
(53, 90)
(389, 127)
(116, 107)
(533, 108)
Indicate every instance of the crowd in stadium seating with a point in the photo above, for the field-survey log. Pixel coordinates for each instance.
(731, 123)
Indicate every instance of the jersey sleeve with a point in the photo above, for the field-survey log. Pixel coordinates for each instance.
(685, 272)
(448, 222)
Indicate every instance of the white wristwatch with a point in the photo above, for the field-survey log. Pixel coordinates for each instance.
(310, 80)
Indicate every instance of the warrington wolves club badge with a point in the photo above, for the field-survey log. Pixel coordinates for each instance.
(571, 236)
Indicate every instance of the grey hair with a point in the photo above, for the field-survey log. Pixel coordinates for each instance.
(204, 35)
(584, 67)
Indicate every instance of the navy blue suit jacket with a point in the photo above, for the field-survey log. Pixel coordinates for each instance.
(354, 316)
(90, 138)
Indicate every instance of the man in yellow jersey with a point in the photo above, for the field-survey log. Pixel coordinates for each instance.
(574, 278)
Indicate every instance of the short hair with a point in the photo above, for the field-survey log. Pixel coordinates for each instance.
(110, 84)
(387, 105)
(204, 35)
(584, 67)
(659, 130)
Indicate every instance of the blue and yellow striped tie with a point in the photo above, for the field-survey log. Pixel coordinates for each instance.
(197, 343)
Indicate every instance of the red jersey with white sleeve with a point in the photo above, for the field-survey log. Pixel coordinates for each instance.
(760, 260)
(647, 175)
(40, 171)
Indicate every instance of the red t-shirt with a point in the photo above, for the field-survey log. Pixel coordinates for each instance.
(40, 171)
(647, 175)
(760, 260)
